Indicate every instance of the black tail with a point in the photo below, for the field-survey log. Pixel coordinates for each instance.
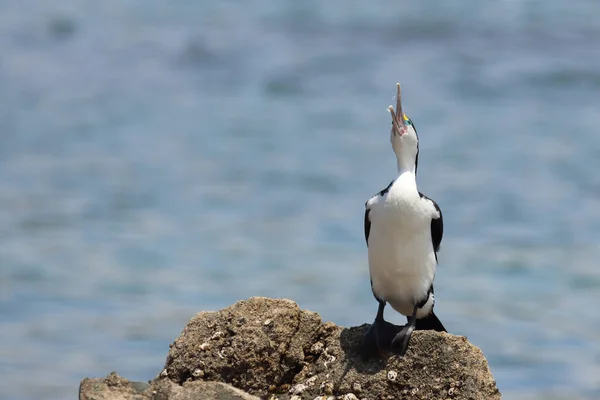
(430, 322)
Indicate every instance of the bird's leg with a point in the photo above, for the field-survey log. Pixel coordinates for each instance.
(400, 342)
(377, 341)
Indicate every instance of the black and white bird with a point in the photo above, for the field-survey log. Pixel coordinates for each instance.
(403, 231)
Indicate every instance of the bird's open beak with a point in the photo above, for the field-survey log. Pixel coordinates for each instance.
(398, 126)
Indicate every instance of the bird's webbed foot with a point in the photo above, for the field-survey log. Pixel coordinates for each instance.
(402, 339)
(377, 341)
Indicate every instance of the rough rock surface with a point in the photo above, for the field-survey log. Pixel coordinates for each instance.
(271, 349)
(114, 387)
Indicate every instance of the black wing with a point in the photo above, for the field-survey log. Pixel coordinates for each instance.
(367, 226)
(367, 219)
(437, 226)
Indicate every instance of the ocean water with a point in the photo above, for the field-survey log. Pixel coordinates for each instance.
(162, 158)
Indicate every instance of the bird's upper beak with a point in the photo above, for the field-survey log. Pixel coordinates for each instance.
(398, 126)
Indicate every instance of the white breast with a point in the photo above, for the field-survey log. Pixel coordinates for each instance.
(401, 257)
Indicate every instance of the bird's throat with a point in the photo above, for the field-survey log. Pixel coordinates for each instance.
(406, 164)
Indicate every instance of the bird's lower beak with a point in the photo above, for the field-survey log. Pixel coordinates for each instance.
(398, 127)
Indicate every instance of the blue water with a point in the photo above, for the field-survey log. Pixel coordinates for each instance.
(162, 158)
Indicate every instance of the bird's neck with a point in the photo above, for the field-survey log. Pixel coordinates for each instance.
(406, 164)
(407, 177)
(406, 182)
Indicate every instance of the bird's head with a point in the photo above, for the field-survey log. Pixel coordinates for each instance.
(403, 137)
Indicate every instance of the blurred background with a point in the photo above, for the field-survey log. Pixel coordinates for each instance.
(162, 158)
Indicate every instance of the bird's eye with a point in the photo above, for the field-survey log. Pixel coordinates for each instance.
(407, 120)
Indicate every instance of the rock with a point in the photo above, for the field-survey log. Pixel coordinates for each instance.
(167, 390)
(255, 344)
(114, 387)
(271, 349)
